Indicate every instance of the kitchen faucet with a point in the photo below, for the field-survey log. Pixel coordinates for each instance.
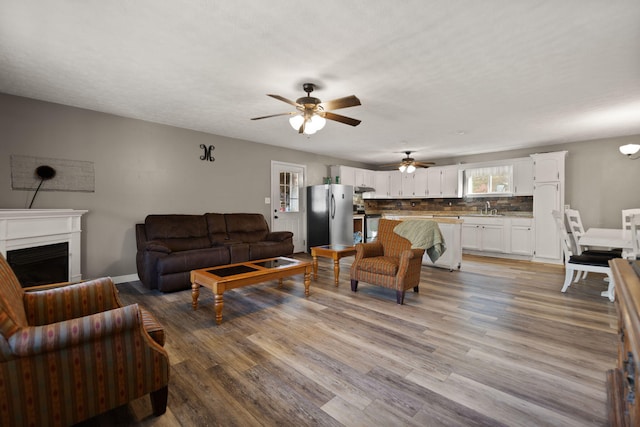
(486, 208)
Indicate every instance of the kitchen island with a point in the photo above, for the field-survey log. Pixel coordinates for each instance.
(451, 229)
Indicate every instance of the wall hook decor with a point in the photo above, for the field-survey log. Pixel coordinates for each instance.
(207, 153)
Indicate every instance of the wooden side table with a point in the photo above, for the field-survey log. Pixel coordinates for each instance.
(334, 252)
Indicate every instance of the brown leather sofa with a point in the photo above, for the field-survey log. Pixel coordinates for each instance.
(170, 246)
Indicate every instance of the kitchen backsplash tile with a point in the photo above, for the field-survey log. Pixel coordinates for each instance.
(504, 205)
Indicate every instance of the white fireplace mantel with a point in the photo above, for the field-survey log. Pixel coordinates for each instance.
(26, 228)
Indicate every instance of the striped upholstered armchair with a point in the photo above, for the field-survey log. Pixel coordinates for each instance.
(389, 261)
(70, 352)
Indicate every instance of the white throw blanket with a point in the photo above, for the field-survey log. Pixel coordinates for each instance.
(423, 234)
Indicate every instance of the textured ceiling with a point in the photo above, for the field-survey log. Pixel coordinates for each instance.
(443, 78)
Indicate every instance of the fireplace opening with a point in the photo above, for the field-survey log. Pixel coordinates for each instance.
(40, 265)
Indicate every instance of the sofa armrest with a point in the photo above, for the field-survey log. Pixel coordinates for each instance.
(157, 246)
(52, 305)
(279, 236)
(368, 250)
(34, 340)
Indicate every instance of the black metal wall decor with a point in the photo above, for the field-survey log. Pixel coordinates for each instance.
(207, 153)
(45, 173)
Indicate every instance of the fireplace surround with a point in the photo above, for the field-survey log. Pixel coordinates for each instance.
(31, 228)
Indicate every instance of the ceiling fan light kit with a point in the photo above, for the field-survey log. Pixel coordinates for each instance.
(312, 114)
(629, 149)
(409, 164)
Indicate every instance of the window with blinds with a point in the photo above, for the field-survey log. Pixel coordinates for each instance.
(490, 180)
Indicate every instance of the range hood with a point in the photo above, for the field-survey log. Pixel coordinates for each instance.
(362, 189)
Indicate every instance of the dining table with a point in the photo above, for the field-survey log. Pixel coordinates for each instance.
(607, 238)
(611, 238)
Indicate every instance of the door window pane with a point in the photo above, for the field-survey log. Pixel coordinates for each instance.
(289, 192)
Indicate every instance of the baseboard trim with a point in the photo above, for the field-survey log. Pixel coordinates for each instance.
(125, 278)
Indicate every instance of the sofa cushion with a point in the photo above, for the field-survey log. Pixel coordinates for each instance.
(178, 232)
(246, 227)
(193, 260)
(216, 227)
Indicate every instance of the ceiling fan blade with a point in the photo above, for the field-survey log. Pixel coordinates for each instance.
(424, 164)
(288, 101)
(341, 119)
(275, 115)
(347, 101)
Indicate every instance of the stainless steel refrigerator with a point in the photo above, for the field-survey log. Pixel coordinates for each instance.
(329, 215)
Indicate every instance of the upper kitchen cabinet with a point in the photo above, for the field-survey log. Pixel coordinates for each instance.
(381, 184)
(419, 183)
(347, 175)
(548, 167)
(523, 177)
(395, 184)
(365, 178)
(443, 182)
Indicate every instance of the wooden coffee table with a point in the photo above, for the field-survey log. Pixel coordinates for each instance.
(232, 276)
(334, 252)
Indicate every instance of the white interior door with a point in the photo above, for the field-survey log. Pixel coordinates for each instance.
(288, 201)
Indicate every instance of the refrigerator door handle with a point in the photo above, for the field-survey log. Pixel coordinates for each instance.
(333, 206)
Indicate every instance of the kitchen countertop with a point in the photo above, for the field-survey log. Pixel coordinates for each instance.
(451, 214)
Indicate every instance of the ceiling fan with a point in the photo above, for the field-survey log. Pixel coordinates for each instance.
(311, 113)
(409, 164)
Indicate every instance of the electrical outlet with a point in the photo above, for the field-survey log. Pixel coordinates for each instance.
(267, 200)
(567, 207)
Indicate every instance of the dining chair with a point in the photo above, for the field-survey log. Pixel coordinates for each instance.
(578, 263)
(576, 230)
(626, 217)
(635, 239)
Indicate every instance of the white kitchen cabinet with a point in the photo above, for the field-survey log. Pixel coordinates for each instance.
(547, 198)
(521, 236)
(420, 183)
(484, 234)
(408, 184)
(347, 175)
(364, 178)
(395, 184)
(443, 182)
(523, 177)
(548, 195)
(381, 184)
(548, 167)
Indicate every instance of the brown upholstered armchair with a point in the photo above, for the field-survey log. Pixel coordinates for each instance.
(70, 352)
(389, 261)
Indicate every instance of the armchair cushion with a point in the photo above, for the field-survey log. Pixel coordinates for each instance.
(380, 265)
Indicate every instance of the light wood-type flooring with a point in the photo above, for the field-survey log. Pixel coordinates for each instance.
(494, 344)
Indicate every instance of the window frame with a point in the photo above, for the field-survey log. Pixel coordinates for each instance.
(491, 172)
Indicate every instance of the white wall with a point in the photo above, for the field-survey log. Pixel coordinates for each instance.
(140, 168)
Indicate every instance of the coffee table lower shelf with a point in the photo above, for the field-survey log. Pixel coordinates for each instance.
(226, 277)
